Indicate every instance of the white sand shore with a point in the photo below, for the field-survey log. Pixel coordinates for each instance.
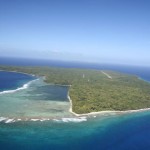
(104, 112)
(91, 113)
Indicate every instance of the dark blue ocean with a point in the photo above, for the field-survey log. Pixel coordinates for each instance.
(110, 132)
(13, 80)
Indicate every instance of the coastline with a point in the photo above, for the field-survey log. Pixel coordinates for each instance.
(103, 112)
(33, 75)
(68, 96)
(25, 86)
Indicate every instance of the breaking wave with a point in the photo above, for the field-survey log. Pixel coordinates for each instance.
(25, 86)
(66, 120)
(79, 119)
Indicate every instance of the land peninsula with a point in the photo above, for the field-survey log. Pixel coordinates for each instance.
(95, 90)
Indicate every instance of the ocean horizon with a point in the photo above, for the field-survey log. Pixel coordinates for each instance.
(24, 114)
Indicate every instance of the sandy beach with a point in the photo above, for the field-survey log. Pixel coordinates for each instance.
(68, 96)
(103, 112)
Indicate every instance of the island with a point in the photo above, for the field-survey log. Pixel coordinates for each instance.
(95, 90)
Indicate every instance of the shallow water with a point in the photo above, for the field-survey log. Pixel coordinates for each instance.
(38, 102)
(102, 133)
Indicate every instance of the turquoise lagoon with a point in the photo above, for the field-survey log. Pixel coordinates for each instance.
(35, 115)
(34, 100)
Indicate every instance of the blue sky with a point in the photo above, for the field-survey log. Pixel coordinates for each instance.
(103, 31)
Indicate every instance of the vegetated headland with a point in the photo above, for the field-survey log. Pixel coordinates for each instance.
(95, 90)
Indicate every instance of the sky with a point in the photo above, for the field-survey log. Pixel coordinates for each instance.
(102, 31)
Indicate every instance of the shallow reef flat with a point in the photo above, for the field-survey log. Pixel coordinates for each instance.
(37, 101)
(95, 90)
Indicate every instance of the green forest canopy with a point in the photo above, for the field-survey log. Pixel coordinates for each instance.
(93, 90)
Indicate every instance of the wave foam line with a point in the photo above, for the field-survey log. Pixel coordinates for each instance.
(80, 119)
(2, 119)
(65, 120)
(12, 120)
(9, 121)
(25, 86)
